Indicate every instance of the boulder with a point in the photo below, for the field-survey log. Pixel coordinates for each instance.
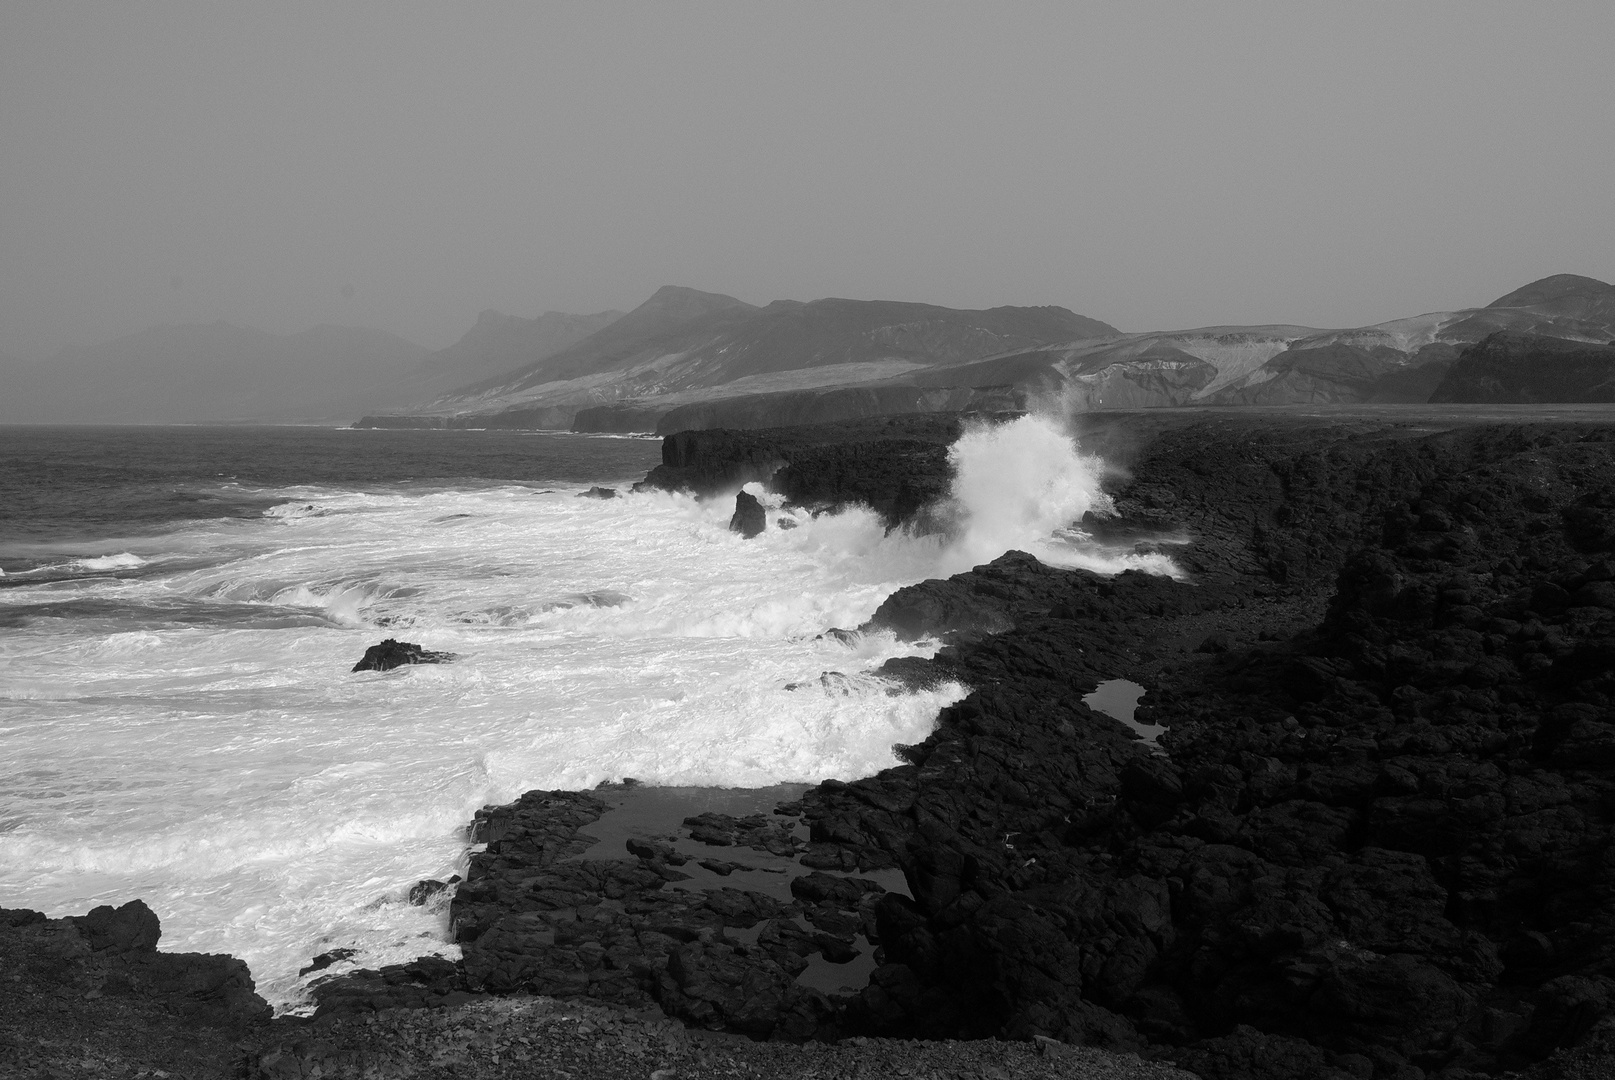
(393, 653)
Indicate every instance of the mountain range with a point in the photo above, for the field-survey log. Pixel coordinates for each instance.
(692, 359)
(688, 359)
(683, 347)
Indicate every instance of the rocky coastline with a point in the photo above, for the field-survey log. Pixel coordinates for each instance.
(1374, 841)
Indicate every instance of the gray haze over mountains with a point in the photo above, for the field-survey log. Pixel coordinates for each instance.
(403, 167)
(222, 373)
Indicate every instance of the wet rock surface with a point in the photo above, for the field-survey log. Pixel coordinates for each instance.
(749, 518)
(534, 915)
(393, 653)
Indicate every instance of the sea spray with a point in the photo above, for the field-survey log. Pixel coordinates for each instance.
(190, 734)
(182, 726)
(1022, 485)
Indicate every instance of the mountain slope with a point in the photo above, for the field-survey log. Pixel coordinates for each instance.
(498, 344)
(214, 372)
(1406, 359)
(684, 347)
(1510, 367)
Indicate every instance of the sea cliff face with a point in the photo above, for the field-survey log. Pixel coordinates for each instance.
(896, 465)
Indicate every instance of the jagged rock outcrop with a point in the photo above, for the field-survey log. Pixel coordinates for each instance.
(749, 519)
(393, 653)
(896, 465)
(92, 993)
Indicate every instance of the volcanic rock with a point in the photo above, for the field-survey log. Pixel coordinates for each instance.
(1375, 840)
(749, 518)
(111, 955)
(392, 653)
(895, 465)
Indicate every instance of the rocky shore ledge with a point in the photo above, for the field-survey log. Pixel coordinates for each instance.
(1374, 842)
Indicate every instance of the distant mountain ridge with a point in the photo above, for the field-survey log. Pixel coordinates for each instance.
(684, 346)
(693, 359)
(497, 344)
(1399, 361)
(688, 358)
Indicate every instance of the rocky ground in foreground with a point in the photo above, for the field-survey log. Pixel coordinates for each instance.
(90, 998)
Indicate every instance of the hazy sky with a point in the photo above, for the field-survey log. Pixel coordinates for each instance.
(1151, 165)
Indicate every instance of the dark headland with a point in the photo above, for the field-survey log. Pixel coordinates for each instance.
(1375, 840)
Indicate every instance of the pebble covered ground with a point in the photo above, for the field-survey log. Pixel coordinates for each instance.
(531, 1037)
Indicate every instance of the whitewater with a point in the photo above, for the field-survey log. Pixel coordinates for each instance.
(179, 722)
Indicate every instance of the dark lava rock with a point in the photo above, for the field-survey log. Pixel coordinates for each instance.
(1379, 842)
(532, 916)
(896, 465)
(392, 653)
(422, 892)
(325, 960)
(598, 493)
(112, 953)
(749, 519)
(130, 928)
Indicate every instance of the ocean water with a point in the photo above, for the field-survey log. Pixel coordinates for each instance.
(180, 608)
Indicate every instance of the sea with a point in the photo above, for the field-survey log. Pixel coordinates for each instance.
(181, 607)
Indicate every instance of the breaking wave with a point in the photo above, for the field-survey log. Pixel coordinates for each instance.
(191, 733)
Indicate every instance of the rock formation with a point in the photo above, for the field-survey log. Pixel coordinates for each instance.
(749, 518)
(393, 653)
(896, 465)
(91, 995)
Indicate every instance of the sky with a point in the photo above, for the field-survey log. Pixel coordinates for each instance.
(1151, 165)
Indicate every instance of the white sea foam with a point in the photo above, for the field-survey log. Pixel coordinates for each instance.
(121, 561)
(1019, 485)
(223, 764)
